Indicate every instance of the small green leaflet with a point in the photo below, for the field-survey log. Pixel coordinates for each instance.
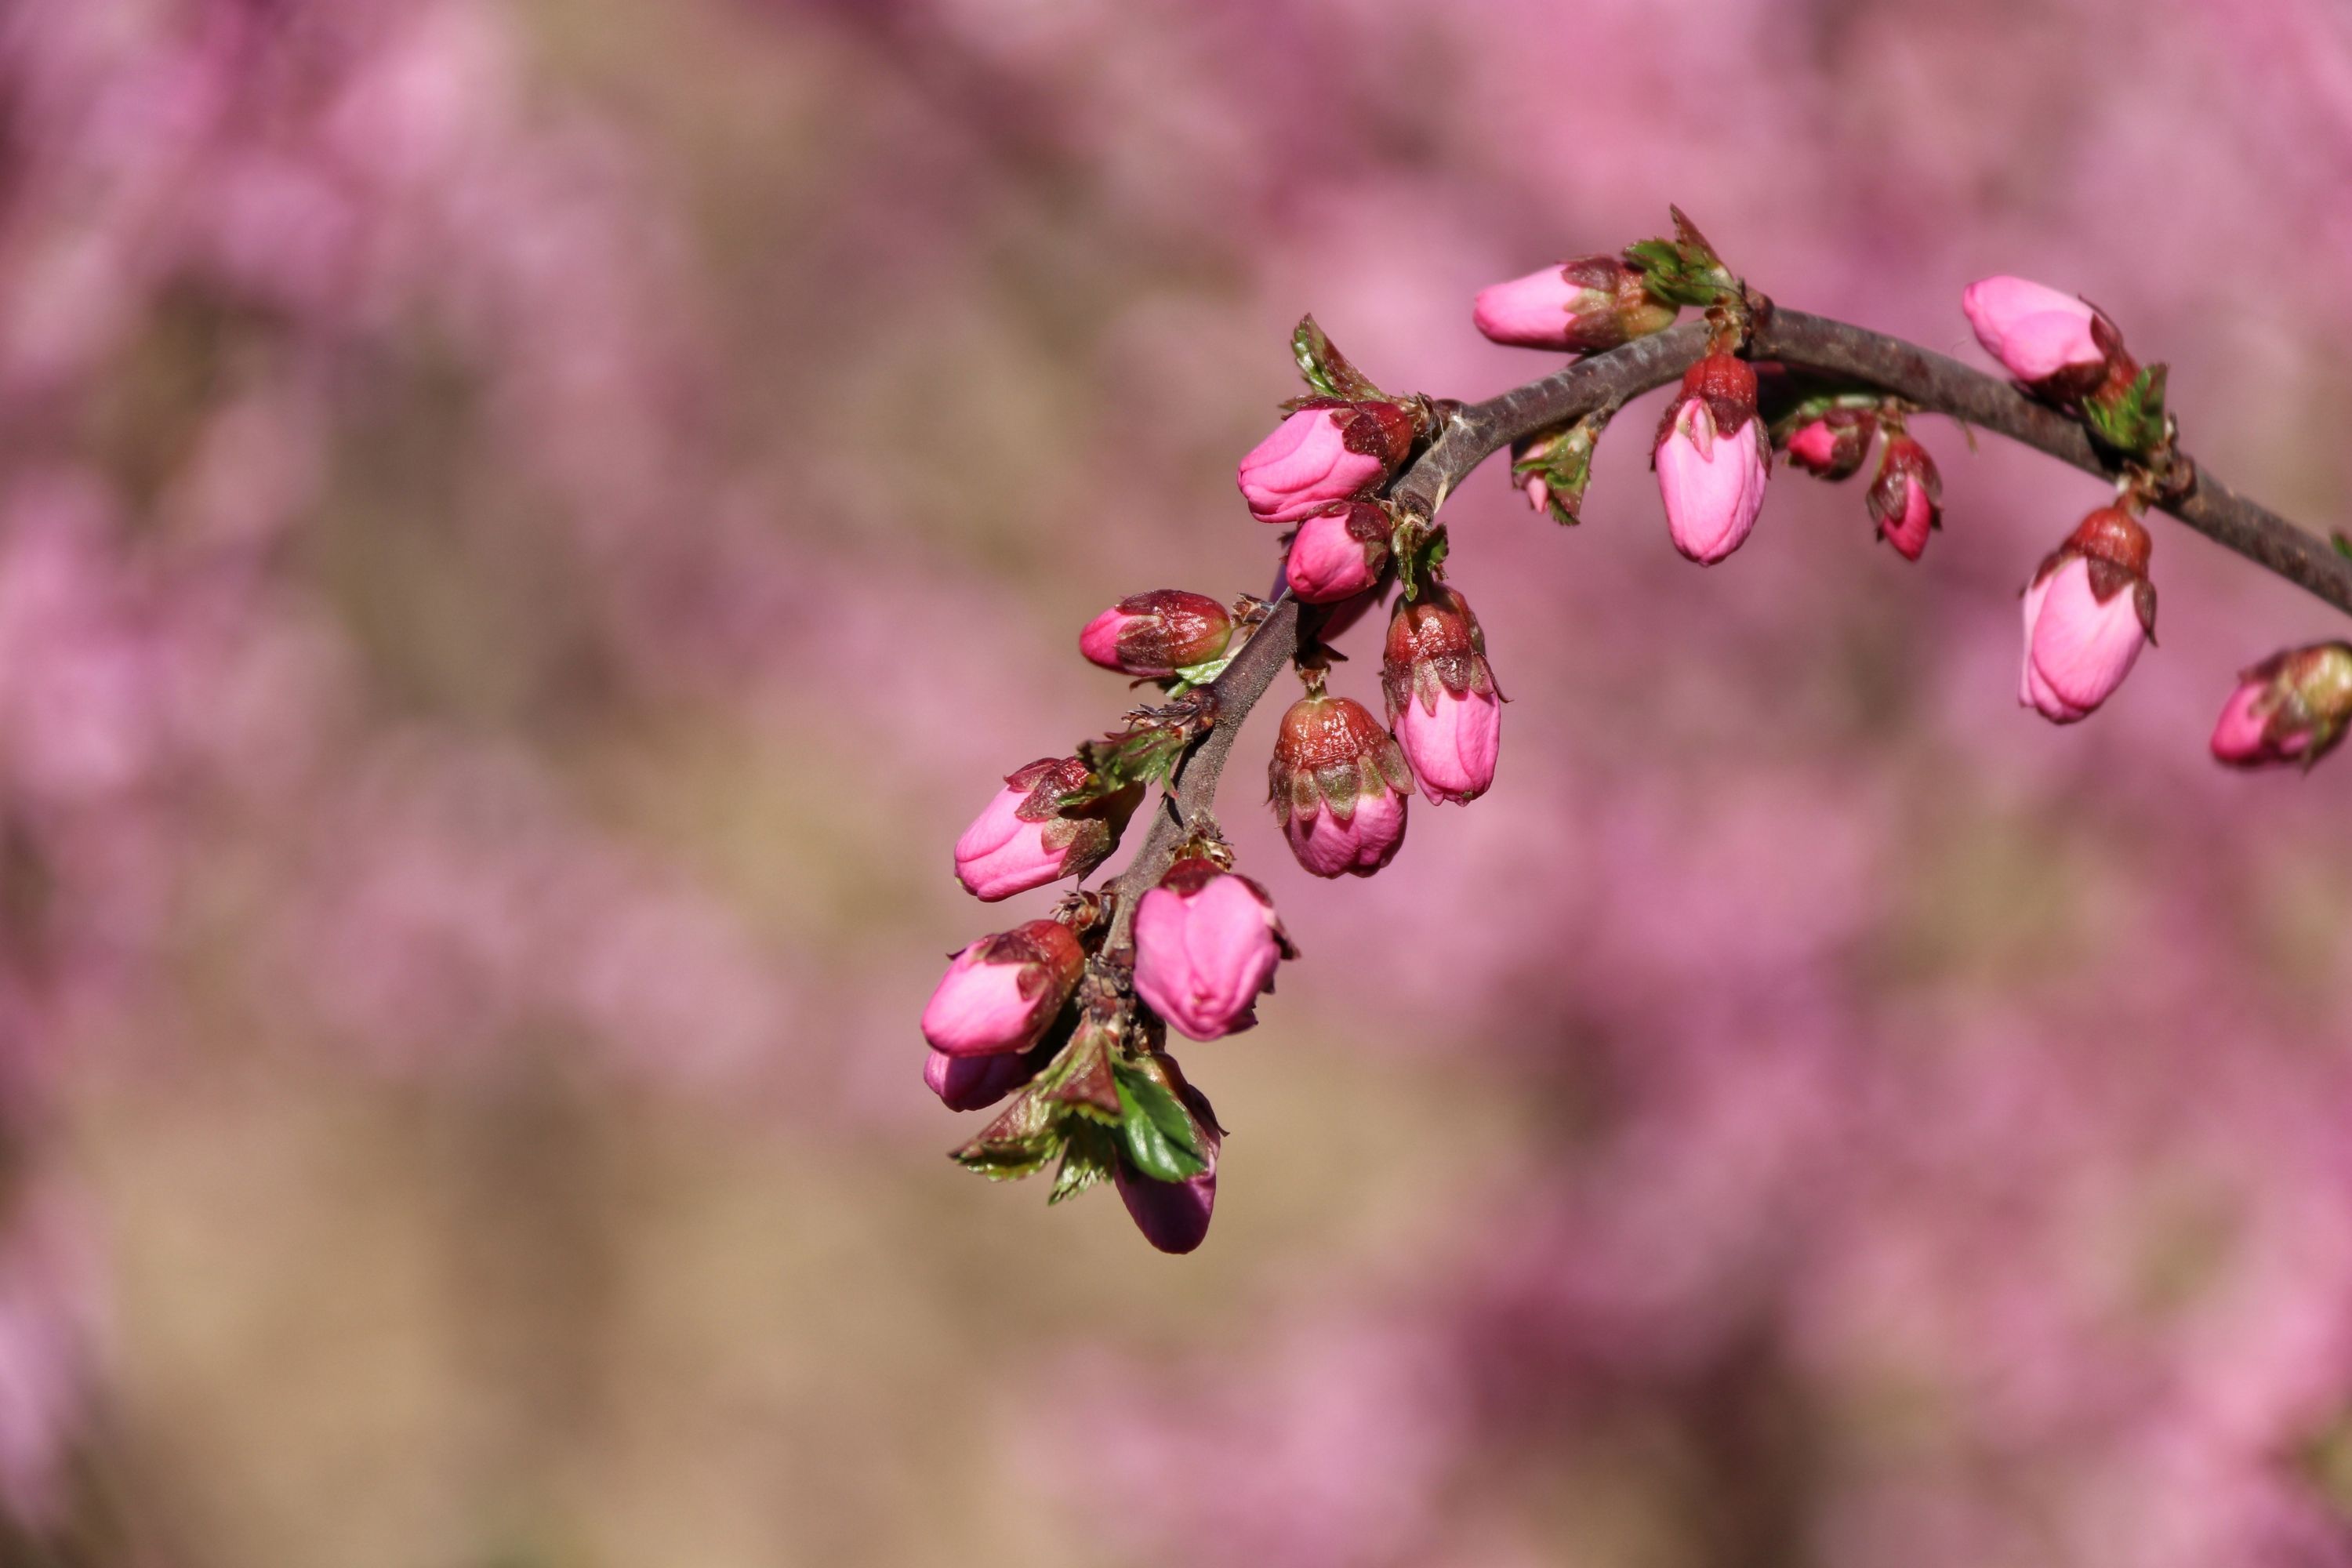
(2342, 544)
(2133, 420)
(1017, 1144)
(1087, 1160)
(1327, 370)
(1684, 270)
(1158, 1131)
(1419, 550)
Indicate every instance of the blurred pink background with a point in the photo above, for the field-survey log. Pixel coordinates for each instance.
(525, 530)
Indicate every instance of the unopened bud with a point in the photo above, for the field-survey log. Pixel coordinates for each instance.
(1001, 993)
(2045, 339)
(1906, 498)
(1584, 306)
(1174, 1216)
(1328, 451)
(1157, 633)
(1339, 552)
(2294, 706)
(1442, 701)
(1713, 458)
(1206, 943)
(1833, 447)
(2087, 610)
(1339, 784)
(1027, 837)
(1553, 466)
(973, 1083)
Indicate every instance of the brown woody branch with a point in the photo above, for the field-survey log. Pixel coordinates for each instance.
(1470, 434)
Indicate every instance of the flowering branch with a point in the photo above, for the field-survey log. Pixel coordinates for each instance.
(1070, 1015)
(1470, 434)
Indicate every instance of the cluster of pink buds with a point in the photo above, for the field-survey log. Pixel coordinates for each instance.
(1065, 1019)
(1906, 494)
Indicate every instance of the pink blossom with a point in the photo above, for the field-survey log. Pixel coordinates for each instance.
(1592, 303)
(1323, 454)
(1712, 460)
(1340, 781)
(1024, 838)
(1337, 554)
(1157, 633)
(1444, 704)
(2035, 332)
(2242, 734)
(1206, 943)
(1004, 852)
(1002, 992)
(970, 1083)
(1453, 745)
(2294, 706)
(1357, 843)
(2078, 649)
(1833, 447)
(1903, 496)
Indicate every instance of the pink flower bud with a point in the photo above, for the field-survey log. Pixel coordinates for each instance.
(1157, 633)
(1026, 837)
(970, 1083)
(1339, 552)
(1174, 1216)
(1206, 943)
(1584, 306)
(2087, 611)
(1001, 993)
(1442, 701)
(1327, 451)
(1712, 458)
(1833, 447)
(2040, 335)
(1905, 498)
(2294, 706)
(1339, 784)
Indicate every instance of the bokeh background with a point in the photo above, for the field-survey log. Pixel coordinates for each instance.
(527, 528)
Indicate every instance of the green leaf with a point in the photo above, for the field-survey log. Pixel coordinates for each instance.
(2132, 420)
(1087, 1160)
(1158, 1131)
(1419, 549)
(1192, 677)
(1684, 270)
(1140, 756)
(1018, 1144)
(2343, 545)
(1327, 370)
